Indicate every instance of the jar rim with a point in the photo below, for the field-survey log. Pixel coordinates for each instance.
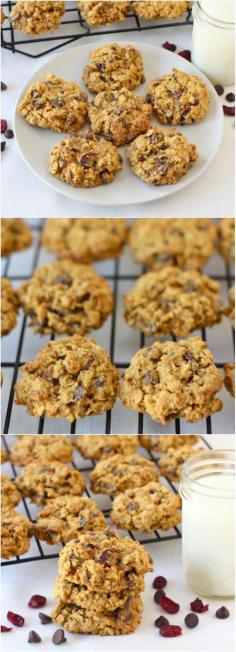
(210, 462)
(214, 21)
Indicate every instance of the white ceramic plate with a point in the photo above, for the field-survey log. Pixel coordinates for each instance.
(35, 143)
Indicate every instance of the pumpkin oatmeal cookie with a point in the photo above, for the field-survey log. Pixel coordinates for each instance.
(85, 240)
(77, 594)
(186, 243)
(15, 534)
(96, 447)
(151, 10)
(71, 377)
(123, 620)
(226, 239)
(152, 507)
(178, 98)
(229, 377)
(42, 482)
(170, 464)
(37, 16)
(103, 12)
(120, 115)
(41, 448)
(66, 517)
(10, 496)
(112, 67)
(9, 307)
(162, 443)
(15, 235)
(172, 380)
(65, 297)
(173, 302)
(120, 472)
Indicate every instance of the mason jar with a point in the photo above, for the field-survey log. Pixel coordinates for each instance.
(213, 42)
(208, 501)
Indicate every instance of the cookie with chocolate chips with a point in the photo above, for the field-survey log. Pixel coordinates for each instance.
(150, 508)
(151, 10)
(112, 67)
(65, 517)
(43, 482)
(103, 12)
(36, 17)
(85, 239)
(170, 464)
(178, 98)
(120, 472)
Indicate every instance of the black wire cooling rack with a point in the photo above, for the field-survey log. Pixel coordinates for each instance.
(72, 29)
(43, 552)
(13, 365)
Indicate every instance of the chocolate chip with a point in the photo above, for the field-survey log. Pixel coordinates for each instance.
(34, 637)
(71, 119)
(191, 620)
(230, 97)
(59, 636)
(189, 356)
(222, 613)
(38, 104)
(9, 133)
(219, 89)
(99, 382)
(44, 618)
(160, 593)
(3, 86)
(3, 145)
(63, 280)
(104, 556)
(58, 102)
(78, 393)
(159, 622)
(85, 160)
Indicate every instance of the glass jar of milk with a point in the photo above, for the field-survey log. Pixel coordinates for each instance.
(213, 39)
(208, 496)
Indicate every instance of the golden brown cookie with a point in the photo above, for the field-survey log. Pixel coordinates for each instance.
(85, 240)
(78, 620)
(103, 12)
(119, 116)
(170, 464)
(78, 594)
(37, 16)
(178, 98)
(229, 377)
(120, 472)
(96, 447)
(9, 307)
(15, 534)
(161, 443)
(153, 507)
(226, 239)
(112, 67)
(15, 235)
(10, 496)
(42, 482)
(150, 10)
(41, 448)
(66, 517)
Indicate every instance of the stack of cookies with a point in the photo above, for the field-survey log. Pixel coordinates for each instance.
(101, 576)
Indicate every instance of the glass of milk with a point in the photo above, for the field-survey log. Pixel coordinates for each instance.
(208, 495)
(213, 39)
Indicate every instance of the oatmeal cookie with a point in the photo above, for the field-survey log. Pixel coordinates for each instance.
(162, 443)
(172, 380)
(115, 474)
(15, 235)
(120, 115)
(161, 157)
(123, 620)
(53, 103)
(170, 464)
(178, 98)
(42, 482)
(15, 534)
(226, 239)
(65, 517)
(230, 310)
(151, 10)
(103, 12)
(4, 456)
(36, 17)
(41, 448)
(71, 377)
(152, 507)
(9, 307)
(103, 561)
(71, 593)
(112, 67)
(10, 496)
(229, 377)
(65, 297)
(173, 302)
(96, 447)
(84, 161)
(85, 240)
(186, 243)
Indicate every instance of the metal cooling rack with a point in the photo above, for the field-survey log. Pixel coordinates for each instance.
(40, 550)
(121, 341)
(72, 29)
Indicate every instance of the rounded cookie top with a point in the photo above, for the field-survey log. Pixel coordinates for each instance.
(53, 103)
(171, 463)
(82, 596)
(41, 448)
(15, 235)
(84, 161)
(161, 157)
(41, 482)
(161, 443)
(120, 472)
(186, 243)
(173, 302)
(123, 620)
(119, 115)
(112, 67)
(65, 297)
(146, 509)
(85, 239)
(36, 17)
(71, 377)
(151, 10)
(226, 238)
(173, 380)
(178, 98)
(15, 534)
(10, 496)
(65, 517)
(96, 447)
(103, 12)
(229, 377)
(9, 307)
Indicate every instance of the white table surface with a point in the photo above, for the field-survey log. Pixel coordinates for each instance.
(19, 582)
(26, 196)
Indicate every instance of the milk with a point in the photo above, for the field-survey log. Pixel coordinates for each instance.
(213, 40)
(208, 537)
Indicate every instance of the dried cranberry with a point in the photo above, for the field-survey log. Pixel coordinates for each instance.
(3, 86)
(198, 606)
(159, 582)
(34, 637)
(159, 622)
(3, 145)
(229, 110)
(169, 46)
(169, 631)
(191, 620)
(222, 613)
(186, 54)
(219, 89)
(15, 619)
(3, 126)
(37, 601)
(158, 595)
(5, 629)
(169, 605)
(44, 618)
(9, 133)
(58, 637)
(230, 97)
